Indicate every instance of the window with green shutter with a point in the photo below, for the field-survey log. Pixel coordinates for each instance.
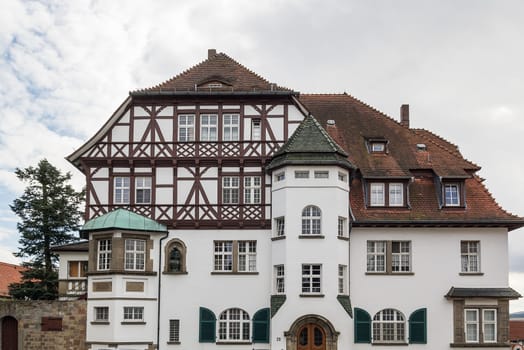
(417, 327)
(261, 326)
(207, 330)
(362, 326)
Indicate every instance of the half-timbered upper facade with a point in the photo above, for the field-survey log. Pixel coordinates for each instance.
(257, 190)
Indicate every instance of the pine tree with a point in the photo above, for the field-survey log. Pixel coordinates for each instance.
(49, 213)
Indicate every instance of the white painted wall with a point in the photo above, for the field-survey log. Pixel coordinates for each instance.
(436, 268)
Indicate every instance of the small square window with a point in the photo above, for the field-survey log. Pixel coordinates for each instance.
(452, 195)
(280, 227)
(280, 176)
(101, 313)
(342, 177)
(377, 146)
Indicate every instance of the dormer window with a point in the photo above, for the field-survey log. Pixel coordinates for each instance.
(377, 145)
(387, 194)
(451, 194)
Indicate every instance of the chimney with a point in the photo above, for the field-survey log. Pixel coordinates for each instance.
(404, 116)
(211, 53)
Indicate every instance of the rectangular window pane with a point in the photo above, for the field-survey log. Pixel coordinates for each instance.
(247, 256)
(121, 190)
(174, 330)
(186, 128)
(301, 174)
(104, 254)
(208, 127)
(376, 256)
(230, 189)
(451, 195)
(142, 190)
(135, 250)
(376, 194)
(279, 226)
(311, 278)
(470, 256)
(231, 127)
(224, 256)
(396, 194)
(252, 190)
(256, 131)
(400, 256)
(279, 279)
(321, 174)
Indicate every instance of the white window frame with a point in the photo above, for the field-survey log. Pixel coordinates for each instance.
(230, 189)
(121, 189)
(311, 278)
(280, 279)
(470, 258)
(133, 314)
(135, 254)
(377, 194)
(104, 254)
(311, 220)
(475, 322)
(247, 256)
(186, 127)
(101, 314)
(377, 146)
(143, 189)
(342, 227)
(396, 194)
(256, 129)
(231, 127)
(252, 192)
(486, 322)
(376, 251)
(342, 279)
(223, 256)
(280, 226)
(208, 127)
(401, 257)
(453, 189)
(388, 322)
(234, 325)
(174, 331)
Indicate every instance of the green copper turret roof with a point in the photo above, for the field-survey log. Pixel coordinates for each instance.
(122, 219)
(310, 144)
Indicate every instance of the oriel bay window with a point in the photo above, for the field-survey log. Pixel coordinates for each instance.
(235, 257)
(104, 254)
(311, 279)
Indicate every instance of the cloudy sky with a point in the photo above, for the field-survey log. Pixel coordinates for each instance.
(67, 65)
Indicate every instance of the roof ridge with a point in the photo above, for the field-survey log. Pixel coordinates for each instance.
(454, 153)
(196, 66)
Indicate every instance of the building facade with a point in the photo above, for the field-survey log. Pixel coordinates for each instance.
(225, 211)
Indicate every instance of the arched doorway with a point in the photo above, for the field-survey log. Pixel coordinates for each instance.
(311, 332)
(9, 333)
(311, 337)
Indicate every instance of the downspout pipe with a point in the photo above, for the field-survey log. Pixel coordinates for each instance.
(159, 285)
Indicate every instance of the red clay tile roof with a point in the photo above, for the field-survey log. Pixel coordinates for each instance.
(9, 273)
(218, 68)
(516, 330)
(357, 122)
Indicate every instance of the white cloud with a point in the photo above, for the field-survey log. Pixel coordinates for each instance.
(516, 281)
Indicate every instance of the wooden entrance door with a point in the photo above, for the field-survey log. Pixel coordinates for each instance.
(9, 333)
(311, 337)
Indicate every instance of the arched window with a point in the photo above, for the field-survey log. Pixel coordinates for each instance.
(389, 326)
(234, 325)
(175, 260)
(311, 216)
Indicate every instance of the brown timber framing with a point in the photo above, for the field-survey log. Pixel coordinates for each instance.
(154, 149)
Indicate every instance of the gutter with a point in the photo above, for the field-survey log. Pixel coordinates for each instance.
(159, 293)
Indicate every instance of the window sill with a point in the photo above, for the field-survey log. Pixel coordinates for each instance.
(278, 238)
(173, 343)
(122, 272)
(234, 273)
(390, 273)
(479, 345)
(311, 295)
(100, 322)
(233, 343)
(471, 274)
(311, 237)
(390, 343)
(174, 273)
(343, 238)
(131, 322)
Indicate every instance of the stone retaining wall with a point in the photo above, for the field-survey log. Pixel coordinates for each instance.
(35, 316)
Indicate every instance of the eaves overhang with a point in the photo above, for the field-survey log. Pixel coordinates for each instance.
(176, 93)
(498, 293)
(509, 224)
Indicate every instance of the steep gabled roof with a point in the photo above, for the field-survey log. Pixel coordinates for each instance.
(124, 220)
(310, 144)
(228, 76)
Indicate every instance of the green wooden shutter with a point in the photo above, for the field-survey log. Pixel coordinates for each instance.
(207, 330)
(261, 326)
(362, 326)
(417, 327)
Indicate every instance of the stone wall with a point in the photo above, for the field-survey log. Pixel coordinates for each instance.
(32, 319)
